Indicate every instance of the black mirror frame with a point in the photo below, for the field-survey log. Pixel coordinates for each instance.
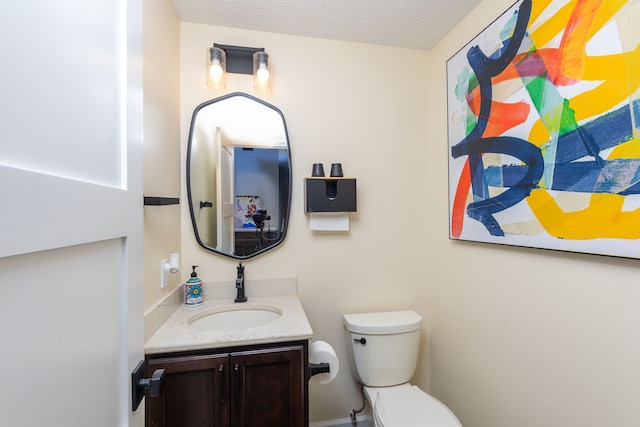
(285, 217)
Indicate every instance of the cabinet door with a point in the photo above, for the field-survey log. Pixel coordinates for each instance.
(267, 388)
(196, 392)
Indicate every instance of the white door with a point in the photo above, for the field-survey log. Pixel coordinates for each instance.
(71, 307)
(226, 199)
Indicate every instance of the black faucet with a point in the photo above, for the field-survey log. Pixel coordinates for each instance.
(241, 297)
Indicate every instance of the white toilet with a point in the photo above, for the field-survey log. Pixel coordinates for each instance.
(383, 352)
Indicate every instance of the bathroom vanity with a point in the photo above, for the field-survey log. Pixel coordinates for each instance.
(218, 374)
(263, 385)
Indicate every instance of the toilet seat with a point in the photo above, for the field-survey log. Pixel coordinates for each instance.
(408, 406)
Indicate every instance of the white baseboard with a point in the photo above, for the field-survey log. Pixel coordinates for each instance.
(363, 421)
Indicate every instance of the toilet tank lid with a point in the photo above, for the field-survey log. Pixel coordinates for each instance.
(390, 322)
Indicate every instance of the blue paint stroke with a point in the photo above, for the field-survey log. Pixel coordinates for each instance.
(474, 145)
(605, 132)
(617, 176)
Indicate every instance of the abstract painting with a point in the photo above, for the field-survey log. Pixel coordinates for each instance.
(246, 208)
(543, 122)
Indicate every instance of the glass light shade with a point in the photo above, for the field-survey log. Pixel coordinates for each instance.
(217, 68)
(261, 72)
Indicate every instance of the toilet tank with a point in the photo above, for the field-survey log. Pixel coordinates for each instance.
(383, 347)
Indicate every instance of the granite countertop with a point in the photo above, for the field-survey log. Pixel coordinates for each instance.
(175, 334)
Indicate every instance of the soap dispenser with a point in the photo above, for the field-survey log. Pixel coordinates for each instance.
(193, 295)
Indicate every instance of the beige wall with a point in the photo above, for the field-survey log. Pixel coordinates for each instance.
(524, 337)
(366, 107)
(161, 142)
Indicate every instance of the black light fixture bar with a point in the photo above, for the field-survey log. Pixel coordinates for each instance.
(239, 58)
(160, 201)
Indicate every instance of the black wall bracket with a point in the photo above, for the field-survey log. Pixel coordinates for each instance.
(161, 201)
(239, 58)
(318, 368)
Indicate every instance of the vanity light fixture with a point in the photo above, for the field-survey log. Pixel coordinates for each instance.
(216, 74)
(240, 60)
(261, 72)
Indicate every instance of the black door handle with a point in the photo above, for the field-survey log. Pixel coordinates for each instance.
(139, 384)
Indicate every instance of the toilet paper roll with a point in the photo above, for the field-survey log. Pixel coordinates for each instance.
(322, 352)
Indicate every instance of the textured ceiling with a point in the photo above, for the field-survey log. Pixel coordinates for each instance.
(418, 24)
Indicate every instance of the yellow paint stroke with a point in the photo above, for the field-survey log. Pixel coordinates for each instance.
(602, 219)
(553, 26)
(539, 134)
(617, 72)
(627, 150)
(589, 17)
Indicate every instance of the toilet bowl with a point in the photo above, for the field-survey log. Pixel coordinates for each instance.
(383, 353)
(407, 405)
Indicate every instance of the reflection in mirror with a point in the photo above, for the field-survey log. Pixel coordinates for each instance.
(238, 175)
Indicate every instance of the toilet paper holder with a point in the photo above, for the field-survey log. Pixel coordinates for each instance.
(318, 368)
(323, 364)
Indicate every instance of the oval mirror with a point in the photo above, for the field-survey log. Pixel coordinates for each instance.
(238, 175)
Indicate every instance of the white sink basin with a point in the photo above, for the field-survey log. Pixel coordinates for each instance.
(234, 318)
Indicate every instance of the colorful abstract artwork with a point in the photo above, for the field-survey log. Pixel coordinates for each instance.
(543, 116)
(246, 208)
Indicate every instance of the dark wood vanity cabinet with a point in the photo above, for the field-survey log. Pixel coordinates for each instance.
(247, 242)
(235, 387)
(268, 387)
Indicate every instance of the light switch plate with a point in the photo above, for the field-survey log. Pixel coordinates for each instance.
(164, 278)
